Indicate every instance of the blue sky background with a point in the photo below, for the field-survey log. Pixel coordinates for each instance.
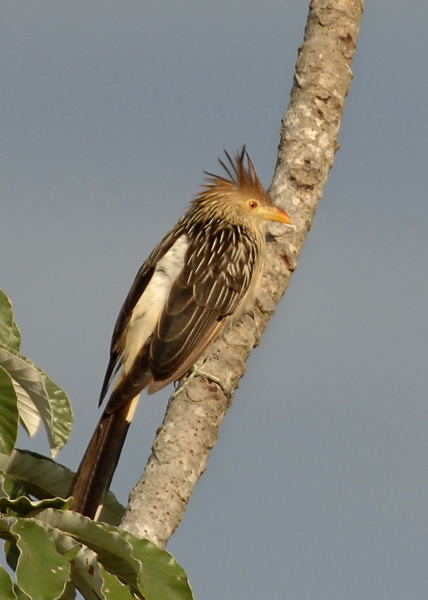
(318, 487)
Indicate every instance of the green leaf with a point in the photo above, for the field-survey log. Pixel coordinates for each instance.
(40, 475)
(86, 575)
(152, 573)
(160, 576)
(65, 544)
(9, 332)
(69, 592)
(20, 594)
(87, 582)
(28, 381)
(8, 413)
(41, 571)
(9, 487)
(44, 478)
(28, 413)
(62, 414)
(67, 548)
(112, 551)
(6, 585)
(38, 393)
(22, 506)
(94, 583)
(113, 588)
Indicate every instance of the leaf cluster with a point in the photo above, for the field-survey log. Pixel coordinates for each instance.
(52, 550)
(27, 394)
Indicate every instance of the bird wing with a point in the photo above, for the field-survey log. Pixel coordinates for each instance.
(214, 281)
(141, 281)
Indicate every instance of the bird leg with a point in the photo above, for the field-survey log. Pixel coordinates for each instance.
(197, 372)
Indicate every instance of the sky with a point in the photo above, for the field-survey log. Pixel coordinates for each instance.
(318, 486)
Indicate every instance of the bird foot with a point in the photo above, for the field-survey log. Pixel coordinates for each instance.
(196, 372)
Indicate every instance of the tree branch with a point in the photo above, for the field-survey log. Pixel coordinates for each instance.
(309, 140)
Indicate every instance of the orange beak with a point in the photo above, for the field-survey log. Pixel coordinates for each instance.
(274, 213)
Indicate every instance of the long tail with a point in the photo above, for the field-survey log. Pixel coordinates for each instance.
(100, 459)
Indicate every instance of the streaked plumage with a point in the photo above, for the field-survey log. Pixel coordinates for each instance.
(200, 278)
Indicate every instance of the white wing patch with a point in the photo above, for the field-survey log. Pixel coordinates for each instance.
(147, 311)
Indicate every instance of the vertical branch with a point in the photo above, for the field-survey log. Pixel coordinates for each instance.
(309, 140)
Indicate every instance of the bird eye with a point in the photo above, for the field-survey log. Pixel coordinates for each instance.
(252, 204)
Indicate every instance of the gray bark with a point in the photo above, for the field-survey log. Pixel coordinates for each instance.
(309, 141)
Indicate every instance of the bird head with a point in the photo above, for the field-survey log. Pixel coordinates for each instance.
(238, 197)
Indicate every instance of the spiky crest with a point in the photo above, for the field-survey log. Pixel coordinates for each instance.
(241, 178)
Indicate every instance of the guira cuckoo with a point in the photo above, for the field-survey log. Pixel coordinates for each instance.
(200, 279)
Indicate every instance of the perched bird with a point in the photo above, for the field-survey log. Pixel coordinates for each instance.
(199, 279)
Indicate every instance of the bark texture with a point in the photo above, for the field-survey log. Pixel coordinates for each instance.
(309, 141)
